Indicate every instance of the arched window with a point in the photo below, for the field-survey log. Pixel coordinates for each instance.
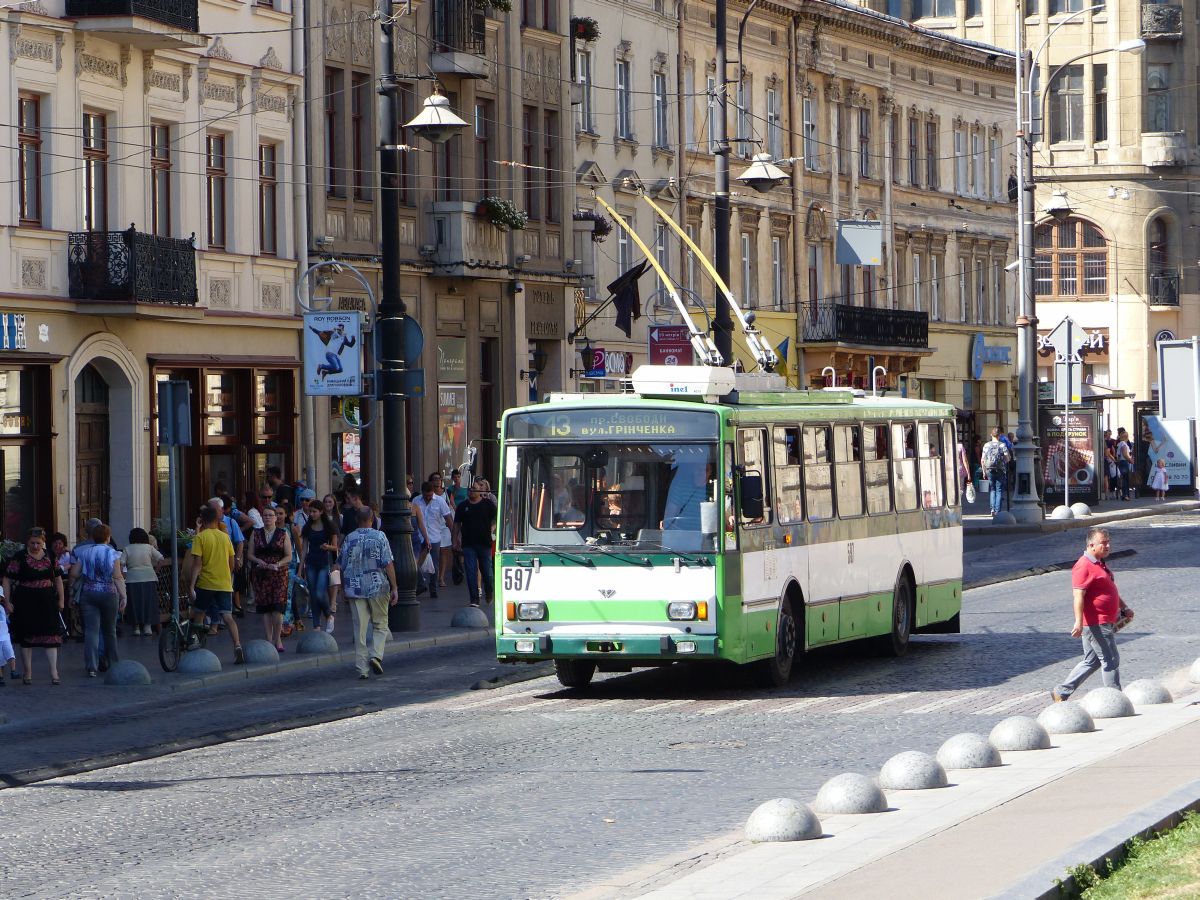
(1164, 281)
(1071, 260)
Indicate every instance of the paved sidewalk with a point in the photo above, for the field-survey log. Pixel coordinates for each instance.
(977, 521)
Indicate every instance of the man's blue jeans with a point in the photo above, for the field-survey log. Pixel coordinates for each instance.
(474, 560)
(996, 494)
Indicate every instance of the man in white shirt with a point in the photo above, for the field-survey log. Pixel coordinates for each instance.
(436, 510)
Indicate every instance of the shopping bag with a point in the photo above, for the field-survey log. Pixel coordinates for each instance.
(427, 566)
(971, 495)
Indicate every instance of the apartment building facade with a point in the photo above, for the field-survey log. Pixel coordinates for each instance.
(139, 134)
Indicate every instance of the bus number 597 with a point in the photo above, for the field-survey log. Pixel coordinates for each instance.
(517, 579)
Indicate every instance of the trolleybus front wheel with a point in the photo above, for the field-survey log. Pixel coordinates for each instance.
(777, 670)
(573, 673)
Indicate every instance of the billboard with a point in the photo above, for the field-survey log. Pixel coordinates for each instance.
(1069, 453)
(333, 354)
(1169, 440)
(670, 345)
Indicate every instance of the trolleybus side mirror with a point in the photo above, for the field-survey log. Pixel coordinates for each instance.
(750, 495)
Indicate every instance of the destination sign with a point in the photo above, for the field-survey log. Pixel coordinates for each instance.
(583, 424)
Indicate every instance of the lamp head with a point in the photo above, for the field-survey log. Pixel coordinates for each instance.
(1136, 46)
(1058, 206)
(762, 174)
(436, 122)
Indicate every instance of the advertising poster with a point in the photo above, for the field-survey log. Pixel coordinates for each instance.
(452, 425)
(333, 354)
(1169, 440)
(1069, 452)
(351, 453)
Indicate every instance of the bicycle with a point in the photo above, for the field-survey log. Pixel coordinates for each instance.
(176, 638)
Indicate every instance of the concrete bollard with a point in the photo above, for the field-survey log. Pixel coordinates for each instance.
(469, 617)
(1062, 512)
(317, 642)
(782, 819)
(850, 794)
(1194, 672)
(1019, 733)
(1147, 692)
(127, 672)
(1107, 703)
(1066, 718)
(200, 661)
(1004, 518)
(968, 751)
(1081, 510)
(912, 770)
(260, 652)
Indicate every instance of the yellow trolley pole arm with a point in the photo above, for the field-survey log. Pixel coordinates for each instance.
(760, 349)
(701, 343)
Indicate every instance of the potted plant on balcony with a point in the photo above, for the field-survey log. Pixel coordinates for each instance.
(601, 225)
(584, 28)
(498, 5)
(502, 213)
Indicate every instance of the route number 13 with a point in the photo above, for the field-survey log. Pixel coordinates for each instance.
(517, 579)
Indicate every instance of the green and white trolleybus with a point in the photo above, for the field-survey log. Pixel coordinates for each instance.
(714, 516)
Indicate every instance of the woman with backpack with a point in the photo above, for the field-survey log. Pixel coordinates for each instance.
(995, 466)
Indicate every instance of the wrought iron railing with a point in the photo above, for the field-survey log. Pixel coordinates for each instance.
(181, 14)
(829, 320)
(128, 266)
(1164, 288)
(459, 25)
(1162, 20)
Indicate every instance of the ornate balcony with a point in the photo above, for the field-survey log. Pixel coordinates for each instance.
(459, 39)
(131, 267)
(1164, 288)
(1164, 148)
(828, 321)
(148, 24)
(466, 245)
(1162, 22)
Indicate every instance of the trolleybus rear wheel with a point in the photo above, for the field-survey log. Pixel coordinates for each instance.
(777, 670)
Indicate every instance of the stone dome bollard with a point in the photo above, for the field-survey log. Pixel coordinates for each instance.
(200, 661)
(1062, 512)
(1019, 733)
(912, 770)
(1066, 718)
(1004, 518)
(968, 751)
(469, 617)
(259, 652)
(127, 672)
(1107, 703)
(850, 794)
(316, 642)
(1147, 692)
(1080, 510)
(1194, 672)
(782, 819)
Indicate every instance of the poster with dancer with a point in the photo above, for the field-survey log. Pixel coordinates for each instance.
(333, 354)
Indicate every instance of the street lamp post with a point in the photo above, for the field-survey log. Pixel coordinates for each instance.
(722, 314)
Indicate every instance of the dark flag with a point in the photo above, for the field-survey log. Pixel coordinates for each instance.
(626, 298)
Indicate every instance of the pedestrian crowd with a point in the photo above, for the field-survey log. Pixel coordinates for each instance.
(295, 556)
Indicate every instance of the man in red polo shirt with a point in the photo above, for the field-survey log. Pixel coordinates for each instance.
(1098, 606)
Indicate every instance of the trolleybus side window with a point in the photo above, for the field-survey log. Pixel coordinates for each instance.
(818, 471)
(904, 465)
(787, 475)
(877, 469)
(752, 453)
(932, 480)
(848, 458)
(950, 455)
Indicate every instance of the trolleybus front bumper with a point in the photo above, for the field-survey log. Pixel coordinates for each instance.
(606, 647)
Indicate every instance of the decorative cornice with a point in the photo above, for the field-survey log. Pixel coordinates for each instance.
(216, 49)
(270, 61)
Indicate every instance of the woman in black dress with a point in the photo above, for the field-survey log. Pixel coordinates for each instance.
(34, 587)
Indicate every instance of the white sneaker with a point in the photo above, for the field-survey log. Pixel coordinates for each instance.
(329, 627)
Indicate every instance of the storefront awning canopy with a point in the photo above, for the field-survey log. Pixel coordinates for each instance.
(1093, 391)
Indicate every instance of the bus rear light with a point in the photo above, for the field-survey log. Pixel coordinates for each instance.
(702, 610)
(510, 610)
(533, 611)
(526, 646)
(681, 610)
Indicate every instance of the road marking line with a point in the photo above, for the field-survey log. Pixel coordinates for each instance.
(488, 701)
(537, 704)
(953, 700)
(801, 704)
(871, 704)
(1011, 703)
(667, 704)
(589, 707)
(724, 707)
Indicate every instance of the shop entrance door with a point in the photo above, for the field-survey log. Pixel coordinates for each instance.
(91, 447)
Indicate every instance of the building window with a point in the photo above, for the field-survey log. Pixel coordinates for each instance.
(814, 281)
(29, 158)
(661, 246)
(688, 139)
(932, 152)
(914, 152)
(1100, 103)
(214, 181)
(483, 147)
(980, 295)
(964, 298)
(710, 90)
(691, 269)
(1158, 98)
(1063, 250)
(997, 190)
(846, 277)
(1066, 106)
(662, 137)
(268, 198)
(868, 284)
(335, 180)
(160, 179)
(960, 162)
(841, 126)
(550, 177)
(624, 246)
(935, 287)
(864, 142)
(978, 167)
(778, 262)
(95, 172)
(774, 125)
(894, 145)
(998, 287)
(749, 288)
(584, 120)
(811, 134)
(1058, 7)
(926, 9)
(624, 100)
(744, 113)
(532, 175)
(915, 282)
(974, 9)
(360, 118)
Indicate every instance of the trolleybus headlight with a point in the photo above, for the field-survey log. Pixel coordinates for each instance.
(535, 611)
(681, 610)
(685, 646)
(526, 646)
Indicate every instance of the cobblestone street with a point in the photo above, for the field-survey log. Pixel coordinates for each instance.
(531, 791)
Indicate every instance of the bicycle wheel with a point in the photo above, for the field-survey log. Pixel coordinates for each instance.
(170, 646)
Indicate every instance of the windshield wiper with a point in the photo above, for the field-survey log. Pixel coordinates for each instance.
(546, 548)
(703, 560)
(613, 551)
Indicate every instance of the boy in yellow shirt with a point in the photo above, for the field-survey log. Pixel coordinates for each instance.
(211, 577)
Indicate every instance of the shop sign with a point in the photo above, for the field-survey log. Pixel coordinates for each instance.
(618, 362)
(670, 345)
(545, 313)
(333, 354)
(594, 362)
(452, 425)
(986, 354)
(1095, 344)
(12, 331)
(452, 359)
